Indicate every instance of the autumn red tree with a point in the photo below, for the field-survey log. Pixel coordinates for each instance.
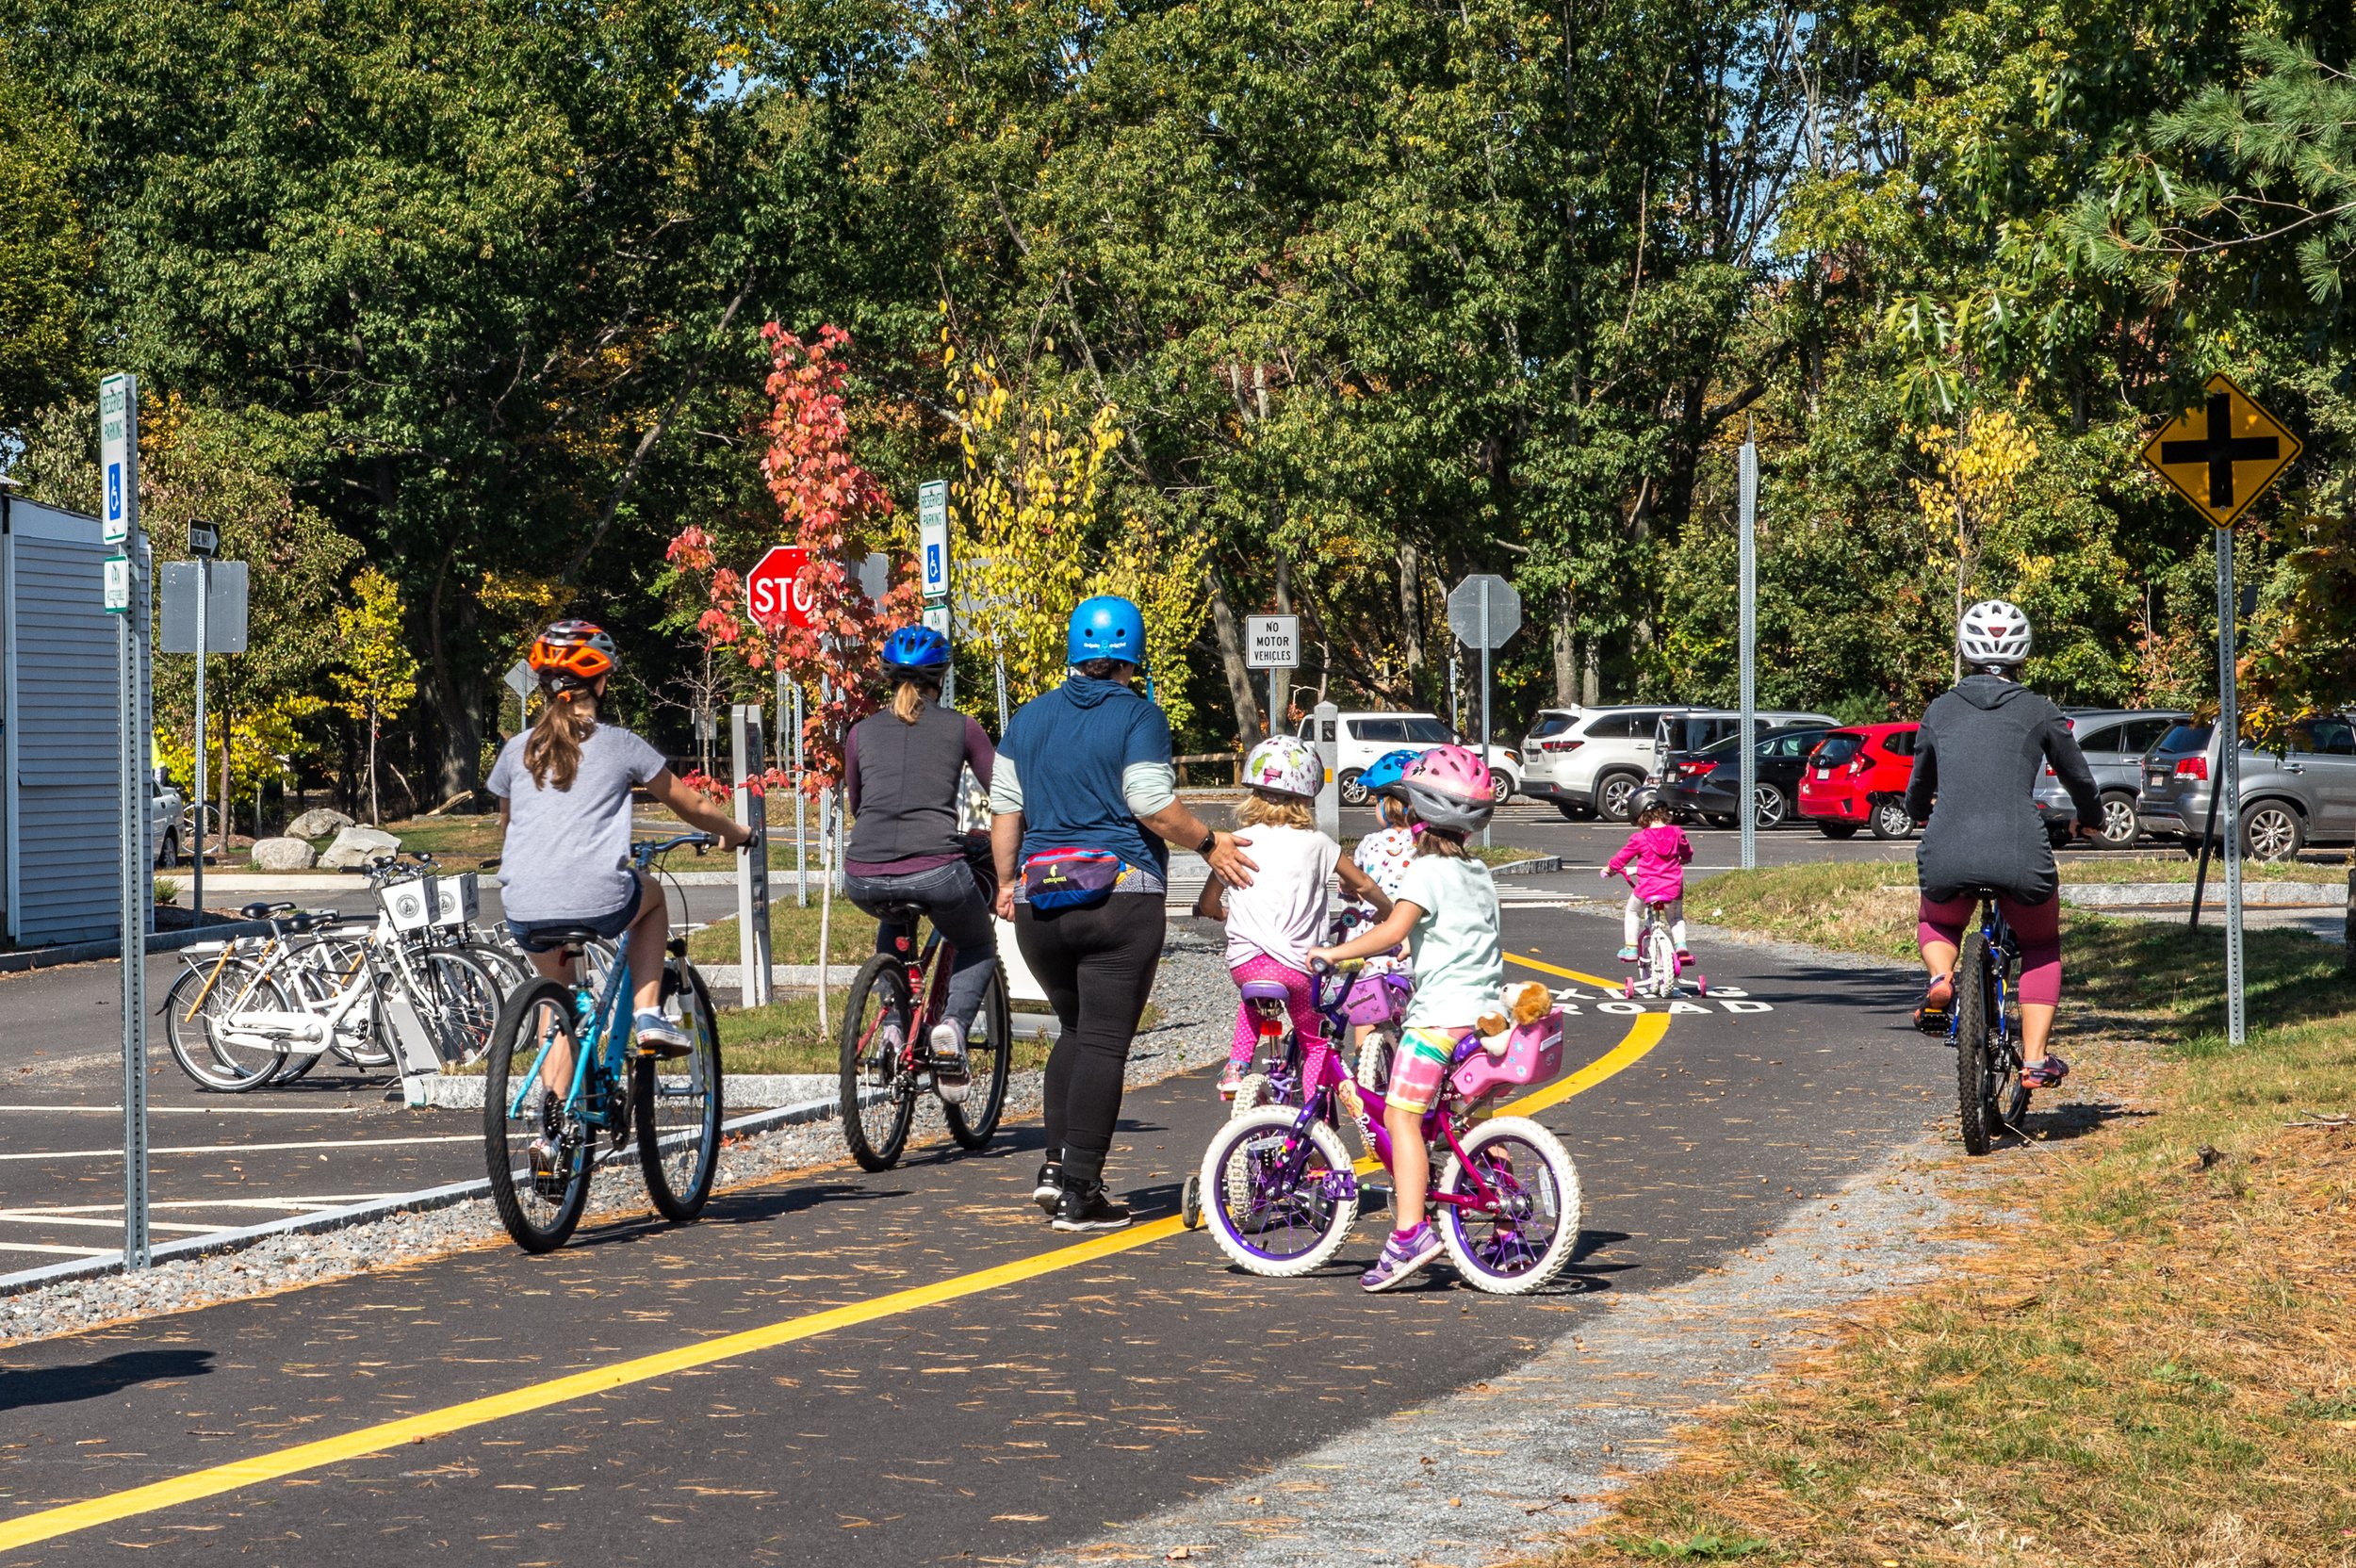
(835, 510)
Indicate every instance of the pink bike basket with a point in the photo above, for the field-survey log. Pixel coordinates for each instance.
(1377, 999)
(1533, 1054)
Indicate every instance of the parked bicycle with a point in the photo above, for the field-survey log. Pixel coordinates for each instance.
(1983, 1026)
(563, 1075)
(886, 1058)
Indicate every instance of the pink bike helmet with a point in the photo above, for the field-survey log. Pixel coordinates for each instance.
(1448, 788)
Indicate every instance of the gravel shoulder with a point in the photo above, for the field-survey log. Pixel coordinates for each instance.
(1192, 992)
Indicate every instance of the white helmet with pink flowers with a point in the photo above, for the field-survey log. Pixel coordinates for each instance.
(1285, 766)
(1449, 788)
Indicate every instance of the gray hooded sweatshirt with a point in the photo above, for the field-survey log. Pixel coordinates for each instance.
(1978, 753)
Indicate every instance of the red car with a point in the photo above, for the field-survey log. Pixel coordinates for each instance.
(1857, 777)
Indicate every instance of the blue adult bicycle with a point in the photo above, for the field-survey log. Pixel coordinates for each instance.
(565, 1077)
(1981, 1025)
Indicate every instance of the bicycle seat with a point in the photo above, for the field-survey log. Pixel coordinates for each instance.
(900, 914)
(259, 910)
(568, 936)
(1265, 990)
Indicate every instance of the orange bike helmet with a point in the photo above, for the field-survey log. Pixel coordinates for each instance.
(572, 654)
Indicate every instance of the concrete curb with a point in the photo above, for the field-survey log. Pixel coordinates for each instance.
(2281, 895)
(162, 941)
(464, 1091)
(337, 1220)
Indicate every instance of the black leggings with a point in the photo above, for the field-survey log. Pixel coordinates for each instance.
(1097, 966)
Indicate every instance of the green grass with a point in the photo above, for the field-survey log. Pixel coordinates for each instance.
(784, 1038)
(2329, 867)
(792, 933)
(2152, 1360)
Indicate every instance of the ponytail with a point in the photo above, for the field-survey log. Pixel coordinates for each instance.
(552, 755)
(913, 693)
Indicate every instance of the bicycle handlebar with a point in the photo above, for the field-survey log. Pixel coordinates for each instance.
(646, 851)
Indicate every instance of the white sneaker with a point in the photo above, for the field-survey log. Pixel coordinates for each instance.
(950, 1076)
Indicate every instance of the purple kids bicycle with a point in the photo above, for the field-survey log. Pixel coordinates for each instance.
(1278, 1191)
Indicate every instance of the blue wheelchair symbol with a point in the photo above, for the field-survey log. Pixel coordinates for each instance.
(932, 564)
(114, 492)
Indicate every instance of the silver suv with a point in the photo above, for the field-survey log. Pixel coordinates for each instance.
(2114, 740)
(1591, 761)
(2302, 794)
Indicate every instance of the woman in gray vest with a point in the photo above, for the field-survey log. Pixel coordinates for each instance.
(901, 774)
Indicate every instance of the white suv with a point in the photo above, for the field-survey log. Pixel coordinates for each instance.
(1360, 738)
(1591, 761)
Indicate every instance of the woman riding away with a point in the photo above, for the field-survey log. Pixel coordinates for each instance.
(1272, 923)
(563, 787)
(1977, 754)
(1446, 912)
(903, 770)
(1082, 798)
(1659, 849)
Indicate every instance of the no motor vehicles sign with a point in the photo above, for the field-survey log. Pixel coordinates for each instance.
(1272, 641)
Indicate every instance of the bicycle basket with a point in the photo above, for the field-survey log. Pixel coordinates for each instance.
(1533, 1054)
(425, 901)
(1377, 999)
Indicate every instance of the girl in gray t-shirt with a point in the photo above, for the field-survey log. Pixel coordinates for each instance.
(563, 787)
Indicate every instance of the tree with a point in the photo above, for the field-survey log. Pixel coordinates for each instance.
(44, 255)
(378, 675)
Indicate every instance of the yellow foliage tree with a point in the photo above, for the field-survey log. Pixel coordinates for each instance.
(378, 674)
(1038, 536)
(1975, 485)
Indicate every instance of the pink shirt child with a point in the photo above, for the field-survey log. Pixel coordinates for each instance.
(1659, 854)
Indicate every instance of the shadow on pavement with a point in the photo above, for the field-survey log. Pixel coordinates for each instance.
(65, 1385)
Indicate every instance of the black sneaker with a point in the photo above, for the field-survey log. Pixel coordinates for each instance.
(1088, 1209)
(1048, 1191)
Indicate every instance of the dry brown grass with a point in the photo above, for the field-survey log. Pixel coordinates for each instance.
(2150, 1361)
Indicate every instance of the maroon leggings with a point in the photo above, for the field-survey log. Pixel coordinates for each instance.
(2037, 926)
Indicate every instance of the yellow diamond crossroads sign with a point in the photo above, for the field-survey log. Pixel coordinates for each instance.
(2222, 454)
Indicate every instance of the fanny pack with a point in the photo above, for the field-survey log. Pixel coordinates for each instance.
(1070, 878)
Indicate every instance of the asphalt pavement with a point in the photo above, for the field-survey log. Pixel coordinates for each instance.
(911, 1367)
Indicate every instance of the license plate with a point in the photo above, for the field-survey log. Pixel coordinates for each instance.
(1822, 774)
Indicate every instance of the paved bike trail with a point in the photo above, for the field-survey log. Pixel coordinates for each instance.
(921, 1370)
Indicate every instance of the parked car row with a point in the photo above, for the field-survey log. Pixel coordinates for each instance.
(2153, 767)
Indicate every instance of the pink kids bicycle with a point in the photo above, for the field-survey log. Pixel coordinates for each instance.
(1279, 1192)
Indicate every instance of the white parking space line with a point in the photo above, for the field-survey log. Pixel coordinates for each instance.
(38, 1216)
(190, 1110)
(247, 1148)
(63, 1251)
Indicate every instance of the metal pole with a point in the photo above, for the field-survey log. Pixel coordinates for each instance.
(1484, 690)
(1273, 707)
(1748, 748)
(999, 660)
(801, 810)
(2228, 786)
(137, 883)
(204, 608)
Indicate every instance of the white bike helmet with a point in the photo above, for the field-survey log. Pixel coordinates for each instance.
(1993, 632)
(1285, 766)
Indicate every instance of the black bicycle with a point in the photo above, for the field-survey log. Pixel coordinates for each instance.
(887, 1055)
(1983, 1025)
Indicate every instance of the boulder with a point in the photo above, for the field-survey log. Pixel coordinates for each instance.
(318, 822)
(284, 855)
(355, 846)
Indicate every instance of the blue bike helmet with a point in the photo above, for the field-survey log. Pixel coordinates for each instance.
(916, 648)
(1384, 771)
(1106, 627)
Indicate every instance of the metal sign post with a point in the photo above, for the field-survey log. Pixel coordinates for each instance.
(1484, 611)
(2220, 456)
(1272, 643)
(1323, 724)
(746, 753)
(2227, 795)
(1749, 699)
(801, 810)
(126, 595)
(520, 680)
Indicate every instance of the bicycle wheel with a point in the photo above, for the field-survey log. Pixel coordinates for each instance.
(1254, 1092)
(541, 1208)
(212, 994)
(1522, 1242)
(459, 1001)
(1664, 962)
(678, 1109)
(1975, 1098)
(878, 1092)
(973, 1122)
(505, 967)
(1277, 1207)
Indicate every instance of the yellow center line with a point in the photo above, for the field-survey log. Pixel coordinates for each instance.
(1643, 1034)
(1566, 973)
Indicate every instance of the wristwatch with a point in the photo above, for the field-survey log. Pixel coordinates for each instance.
(1210, 840)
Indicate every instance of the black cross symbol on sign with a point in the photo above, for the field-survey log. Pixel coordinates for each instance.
(2220, 450)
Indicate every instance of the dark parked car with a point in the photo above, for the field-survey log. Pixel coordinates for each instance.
(1709, 783)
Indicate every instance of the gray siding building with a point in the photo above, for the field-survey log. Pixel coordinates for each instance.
(59, 810)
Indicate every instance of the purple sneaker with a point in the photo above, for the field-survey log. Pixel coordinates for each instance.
(1404, 1257)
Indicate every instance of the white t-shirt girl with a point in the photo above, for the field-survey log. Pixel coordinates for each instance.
(1284, 913)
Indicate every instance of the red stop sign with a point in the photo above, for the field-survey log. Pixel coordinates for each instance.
(772, 591)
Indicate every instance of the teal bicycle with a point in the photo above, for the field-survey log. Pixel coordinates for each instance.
(542, 1146)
